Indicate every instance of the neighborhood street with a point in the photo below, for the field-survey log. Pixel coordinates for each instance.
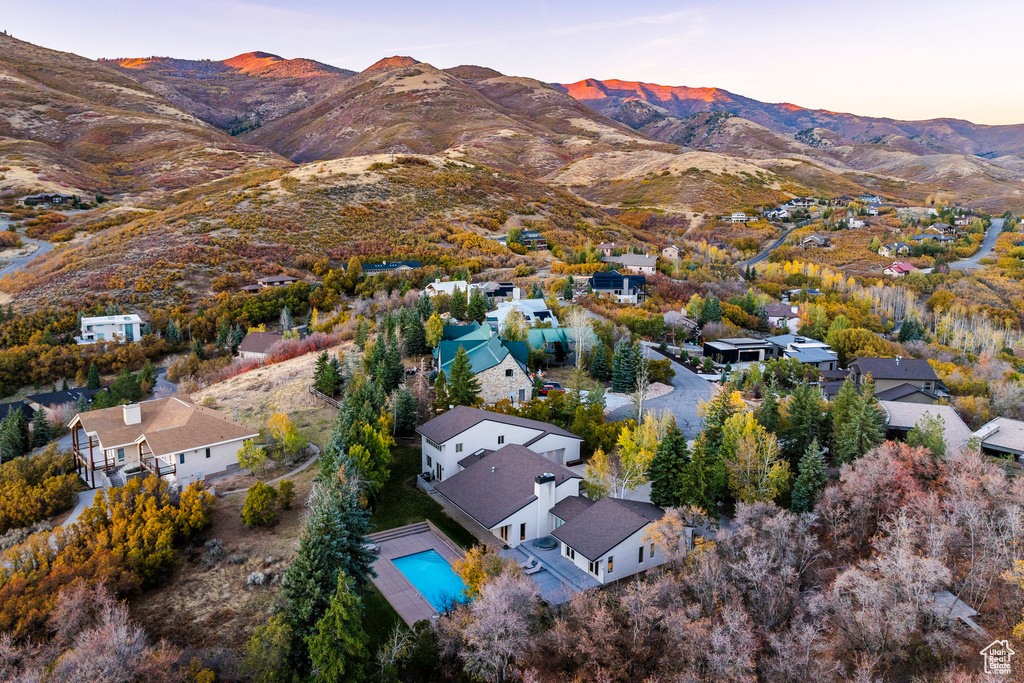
(986, 247)
(689, 391)
(774, 245)
(18, 263)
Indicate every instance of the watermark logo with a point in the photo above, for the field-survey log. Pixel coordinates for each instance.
(997, 657)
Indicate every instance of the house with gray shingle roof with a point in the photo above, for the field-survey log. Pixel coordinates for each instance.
(449, 440)
(1002, 437)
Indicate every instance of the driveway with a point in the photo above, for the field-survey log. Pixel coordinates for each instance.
(18, 263)
(163, 388)
(689, 391)
(986, 248)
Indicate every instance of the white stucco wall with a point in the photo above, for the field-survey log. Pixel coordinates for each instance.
(538, 522)
(481, 435)
(626, 559)
(197, 466)
(552, 443)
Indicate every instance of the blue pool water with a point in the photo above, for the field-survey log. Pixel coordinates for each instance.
(433, 578)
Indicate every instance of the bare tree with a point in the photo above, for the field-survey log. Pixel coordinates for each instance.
(582, 328)
(643, 388)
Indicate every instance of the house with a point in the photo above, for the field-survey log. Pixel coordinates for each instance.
(840, 201)
(531, 239)
(778, 214)
(941, 228)
(385, 267)
(802, 202)
(556, 341)
(277, 281)
(898, 269)
(532, 310)
(608, 539)
(49, 400)
(922, 238)
(26, 410)
(816, 241)
(52, 198)
(500, 291)
(894, 249)
(908, 393)
(257, 345)
(805, 350)
(738, 217)
(627, 289)
(499, 365)
(251, 289)
(902, 417)
(737, 350)
(635, 263)
(1002, 437)
(889, 373)
(511, 492)
(609, 248)
(449, 286)
(854, 223)
(780, 316)
(872, 209)
(167, 437)
(963, 221)
(456, 439)
(671, 252)
(124, 328)
(676, 320)
(870, 199)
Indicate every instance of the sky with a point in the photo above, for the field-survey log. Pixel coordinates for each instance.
(907, 59)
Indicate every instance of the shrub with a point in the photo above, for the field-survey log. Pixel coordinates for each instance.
(37, 488)
(259, 505)
(285, 494)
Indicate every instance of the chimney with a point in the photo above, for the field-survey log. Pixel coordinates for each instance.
(516, 293)
(794, 309)
(132, 413)
(544, 489)
(897, 361)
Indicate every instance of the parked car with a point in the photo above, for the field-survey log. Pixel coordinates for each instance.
(551, 386)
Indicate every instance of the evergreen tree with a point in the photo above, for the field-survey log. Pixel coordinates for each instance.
(458, 304)
(405, 413)
(706, 479)
(767, 414)
(762, 319)
(811, 480)
(864, 429)
(567, 289)
(537, 292)
(42, 430)
(362, 333)
(237, 337)
(126, 388)
(425, 307)
(477, 309)
(463, 387)
(805, 419)
(599, 363)
(173, 333)
(392, 372)
(374, 361)
(326, 377)
(148, 373)
(223, 332)
(94, 378)
(841, 408)
(442, 401)
(338, 648)
(667, 469)
(624, 368)
(712, 311)
(416, 338)
(286, 321)
(197, 350)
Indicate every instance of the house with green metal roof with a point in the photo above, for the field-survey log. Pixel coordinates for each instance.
(556, 341)
(499, 365)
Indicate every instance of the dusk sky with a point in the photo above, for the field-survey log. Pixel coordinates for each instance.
(907, 59)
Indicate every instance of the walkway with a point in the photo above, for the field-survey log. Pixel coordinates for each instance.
(690, 391)
(85, 499)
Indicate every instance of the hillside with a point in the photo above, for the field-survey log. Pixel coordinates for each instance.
(240, 93)
(70, 123)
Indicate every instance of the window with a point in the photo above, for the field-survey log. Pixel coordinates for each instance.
(508, 373)
(430, 463)
(458, 448)
(610, 558)
(641, 559)
(522, 532)
(436, 446)
(207, 452)
(503, 532)
(651, 553)
(570, 553)
(181, 458)
(120, 455)
(595, 568)
(501, 439)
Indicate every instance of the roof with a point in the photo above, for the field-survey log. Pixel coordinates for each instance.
(905, 416)
(569, 507)
(104, 319)
(259, 342)
(633, 260)
(461, 418)
(25, 408)
(605, 524)
(781, 311)
(483, 353)
(895, 368)
(168, 425)
(389, 265)
(835, 374)
(52, 398)
(1003, 434)
(815, 354)
(270, 279)
(500, 484)
(901, 267)
(739, 343)
(614, 280)
(902, 391)
(449, 286)
(539, 337)
(787, 339)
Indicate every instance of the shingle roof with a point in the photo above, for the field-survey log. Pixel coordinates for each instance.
(1003, 434)
(605, 524)
(461, 418)
(905, 416)
(168, 425)
(813, 355)
(25, 408)
(633, 260)
(781, 311)
(567, 508)
(902, 391)
(891, 368)
(52, 398)
(259, 342)
(499, 484)
(270, 279)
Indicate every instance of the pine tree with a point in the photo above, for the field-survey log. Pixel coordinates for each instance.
(94, 378)
(425, 307)
(841, 407)
(237, 337)
(42, 430)
(148, 373)
(325, 375)
(197, 350)
(624, 368)
(362, 333)
(458, 304)
(567, 290)
(599, 363)
(338, 648)
(767, 414)
(173, 333)
(405, 413)
(463, 386)
(667, 469)
(804, 421)
(286, 321)
(477, 309)
(712, 311)
(416, 338)
(537, 292)
(864, 429)
(392, 371)
(811, 480)
(223, 332)
(442, 402)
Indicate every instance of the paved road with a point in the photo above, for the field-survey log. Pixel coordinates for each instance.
(689, 391)
(18, 263)
(986, 248)
(774, 245)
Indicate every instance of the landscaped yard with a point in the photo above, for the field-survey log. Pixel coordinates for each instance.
(381, 618)
(400, 502)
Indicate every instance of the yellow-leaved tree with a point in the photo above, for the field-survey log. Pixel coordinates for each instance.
(479, 566)
(615, 473)
(751, 455)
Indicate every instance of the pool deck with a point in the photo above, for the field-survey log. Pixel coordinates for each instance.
(394, 543)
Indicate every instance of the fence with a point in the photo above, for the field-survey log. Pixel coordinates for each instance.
(325, 398)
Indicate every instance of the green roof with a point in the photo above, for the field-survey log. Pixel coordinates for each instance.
(539, 338)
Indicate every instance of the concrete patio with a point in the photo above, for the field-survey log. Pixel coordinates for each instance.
(394, 543)
(559, 579)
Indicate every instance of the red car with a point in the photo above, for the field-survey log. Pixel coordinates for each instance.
(551, 387)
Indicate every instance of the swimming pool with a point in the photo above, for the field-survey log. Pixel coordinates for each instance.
(433, 578)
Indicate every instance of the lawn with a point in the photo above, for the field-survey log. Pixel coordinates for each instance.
(379, 618)
(400, 502)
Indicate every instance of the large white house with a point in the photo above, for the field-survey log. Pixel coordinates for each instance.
(449, 286)
(532, 310)
(125, 328)
(167, 437)
(463, 435)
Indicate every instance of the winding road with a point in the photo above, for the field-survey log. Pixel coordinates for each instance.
(986, 248)
(774, 245)
(20, 262)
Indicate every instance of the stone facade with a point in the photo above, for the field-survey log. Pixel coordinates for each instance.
(496, 383)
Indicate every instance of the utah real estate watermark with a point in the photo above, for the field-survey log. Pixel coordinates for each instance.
(997, 656)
